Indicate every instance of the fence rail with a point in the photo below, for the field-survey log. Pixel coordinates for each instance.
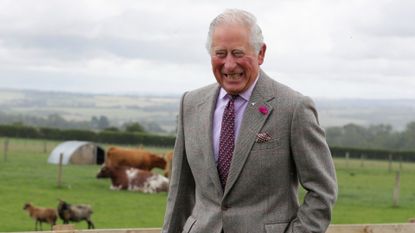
(334, 228)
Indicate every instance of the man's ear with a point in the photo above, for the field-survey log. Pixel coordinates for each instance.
(261, 54)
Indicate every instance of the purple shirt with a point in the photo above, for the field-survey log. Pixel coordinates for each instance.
(240, 105)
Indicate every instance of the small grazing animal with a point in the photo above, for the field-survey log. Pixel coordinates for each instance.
(75, 213)
(41, 214)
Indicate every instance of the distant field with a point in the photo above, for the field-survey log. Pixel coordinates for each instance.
(365, 191)
(81, 107)
(163, 109)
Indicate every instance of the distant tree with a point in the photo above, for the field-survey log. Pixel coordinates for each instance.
(374, 137)
(56, 121)
(154, 127)
(94, 122)
(103, 122)
(18, 123)
(382, 136)
(354, 135)
(134, 127)
(408, 137)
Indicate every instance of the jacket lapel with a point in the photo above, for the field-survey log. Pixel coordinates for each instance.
(206, 109)
(253, 121)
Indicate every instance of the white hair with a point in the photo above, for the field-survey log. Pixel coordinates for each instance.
(232, 16)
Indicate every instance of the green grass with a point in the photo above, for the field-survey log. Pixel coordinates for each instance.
(365, 191)
(26, 176)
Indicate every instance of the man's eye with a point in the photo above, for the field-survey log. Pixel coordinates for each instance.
(238, 54)
(220, 54)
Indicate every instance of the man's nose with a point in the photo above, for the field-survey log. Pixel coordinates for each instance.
(230, 63)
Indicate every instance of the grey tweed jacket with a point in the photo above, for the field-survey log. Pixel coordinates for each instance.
(261, 191)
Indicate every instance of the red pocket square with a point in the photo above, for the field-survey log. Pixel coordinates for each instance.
(263, 137)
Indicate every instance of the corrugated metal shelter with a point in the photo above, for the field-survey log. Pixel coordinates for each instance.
(77, 152)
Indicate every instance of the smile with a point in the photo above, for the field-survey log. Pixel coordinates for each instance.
(233, 76)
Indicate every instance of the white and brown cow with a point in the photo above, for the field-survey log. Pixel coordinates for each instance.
(134, 179)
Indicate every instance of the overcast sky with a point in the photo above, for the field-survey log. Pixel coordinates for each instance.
(326, 48)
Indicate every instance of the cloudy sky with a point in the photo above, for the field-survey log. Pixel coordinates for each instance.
(323, 48)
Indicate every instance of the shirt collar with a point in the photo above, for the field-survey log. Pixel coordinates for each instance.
(245, 95)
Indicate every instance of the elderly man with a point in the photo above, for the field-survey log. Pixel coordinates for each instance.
(245, 143)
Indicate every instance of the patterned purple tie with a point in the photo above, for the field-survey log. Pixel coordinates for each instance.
(226, 141)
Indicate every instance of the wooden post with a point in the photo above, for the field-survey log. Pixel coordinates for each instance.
(45, 148)
(60, 170)
(362, 160)
(390, 163)
(396, 189)
(6, 148)
(400, 163)
(347, 159)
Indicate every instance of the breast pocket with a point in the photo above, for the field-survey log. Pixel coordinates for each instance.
(271, 144)
(189, 224)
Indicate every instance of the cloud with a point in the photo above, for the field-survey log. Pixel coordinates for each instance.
(356, 48)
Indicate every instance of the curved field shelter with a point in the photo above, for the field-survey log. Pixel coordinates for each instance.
(77, 152)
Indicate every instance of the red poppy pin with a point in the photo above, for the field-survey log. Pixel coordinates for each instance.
(263, 109)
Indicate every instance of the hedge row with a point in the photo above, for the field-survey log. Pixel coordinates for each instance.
(86, 135)
(168, 141)
(373, 154)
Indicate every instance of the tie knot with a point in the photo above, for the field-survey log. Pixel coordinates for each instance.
(233, 97)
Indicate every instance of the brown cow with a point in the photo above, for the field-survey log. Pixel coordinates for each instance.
(169, 160)
(138, 158)
(133, 179)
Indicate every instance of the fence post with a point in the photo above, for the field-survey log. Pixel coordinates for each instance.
(45, 148)
(6, 148)
(362, 160)
(400, 163)
(390, 163)
(396, 189)
(59, 181)
(347, 159)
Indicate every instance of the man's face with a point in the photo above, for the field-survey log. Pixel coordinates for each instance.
(235, 63)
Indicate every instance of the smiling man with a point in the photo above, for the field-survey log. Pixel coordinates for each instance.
(245, 144)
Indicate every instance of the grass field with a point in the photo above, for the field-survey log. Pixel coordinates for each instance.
(365, 191)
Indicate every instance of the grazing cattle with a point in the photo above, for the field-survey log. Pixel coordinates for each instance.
(138, 158)
(75, 213)
(169, 160)
(134, 179)
(411, 220)
(40, 214)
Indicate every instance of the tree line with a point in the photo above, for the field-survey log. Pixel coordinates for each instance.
(95, 123)
(104, 136)
(381, 136)
(372, 137)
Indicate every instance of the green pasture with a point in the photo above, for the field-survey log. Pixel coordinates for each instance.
(365, 191)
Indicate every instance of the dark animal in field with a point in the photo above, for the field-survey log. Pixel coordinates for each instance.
(138, 158)
(41, 214)
(75, 213)
(134, 179)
